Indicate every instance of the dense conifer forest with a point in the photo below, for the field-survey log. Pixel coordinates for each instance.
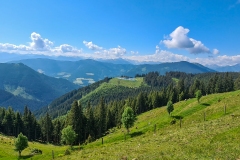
(93, 119)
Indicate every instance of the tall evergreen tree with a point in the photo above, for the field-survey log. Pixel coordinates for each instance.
(76, 119)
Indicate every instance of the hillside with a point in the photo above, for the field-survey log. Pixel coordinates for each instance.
(115, 89)
(108, 88)
(85, 72)
(21, 86)
(234, 68)
(216, 137)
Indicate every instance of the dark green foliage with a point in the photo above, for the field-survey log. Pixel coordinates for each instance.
(21, 142)
(61, 105)
(237, 83)
(46, 128)
(75, 119)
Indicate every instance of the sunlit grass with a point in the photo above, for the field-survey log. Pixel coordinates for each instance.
(217, 137)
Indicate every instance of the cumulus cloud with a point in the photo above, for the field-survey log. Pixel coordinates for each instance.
(64, 48)
(92, 46)
(218, 60)
(39, 45)
(5, 47)
(179, 39)
(116, 52)
(159, 56)
(215, 51)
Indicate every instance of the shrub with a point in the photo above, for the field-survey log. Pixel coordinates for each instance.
(67, 152)
(173, 121)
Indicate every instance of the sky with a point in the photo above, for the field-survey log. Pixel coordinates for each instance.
(203, 31)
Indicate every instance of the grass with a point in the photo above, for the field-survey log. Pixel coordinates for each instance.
(127, 83)
(7, 150)
(217, 137)
(112, 87)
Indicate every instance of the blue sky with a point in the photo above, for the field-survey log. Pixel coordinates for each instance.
(204, 31)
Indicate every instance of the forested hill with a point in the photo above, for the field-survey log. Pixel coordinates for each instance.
(153, 88)
(22, 86)
(85, 72)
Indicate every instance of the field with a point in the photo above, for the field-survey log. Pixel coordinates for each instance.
(7, 150)
(127, 83)
(206, 130)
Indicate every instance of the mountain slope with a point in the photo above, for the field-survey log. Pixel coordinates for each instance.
(21, 85)
(215, 138)
(84, 72)
(234, 68)
(182, 66)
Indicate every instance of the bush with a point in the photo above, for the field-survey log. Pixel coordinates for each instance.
(36, 151)
(173, 121)
(67, 152)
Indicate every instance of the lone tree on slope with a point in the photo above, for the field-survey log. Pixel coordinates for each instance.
(128, 118)
(21, 142)
(170, 107)
(198, 95)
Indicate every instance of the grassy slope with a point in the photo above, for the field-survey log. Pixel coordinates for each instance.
(105, 88)
(216, 138)
(7, 150)
(132, 84)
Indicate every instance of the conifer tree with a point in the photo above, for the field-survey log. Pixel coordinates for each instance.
(76, 118)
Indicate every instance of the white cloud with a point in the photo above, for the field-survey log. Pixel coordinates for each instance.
(38, 43)
(159, 56)
(64, 48)
(9, 47)
(92, 46)
(198, 47)
(219, 60)
(179, 39)
(42, 46)
(215, 51)
(115, 52)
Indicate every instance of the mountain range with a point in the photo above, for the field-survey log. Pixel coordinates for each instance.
(85, 72)
(22, 86)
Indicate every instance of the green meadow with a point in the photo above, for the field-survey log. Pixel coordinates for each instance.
(206, 130)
